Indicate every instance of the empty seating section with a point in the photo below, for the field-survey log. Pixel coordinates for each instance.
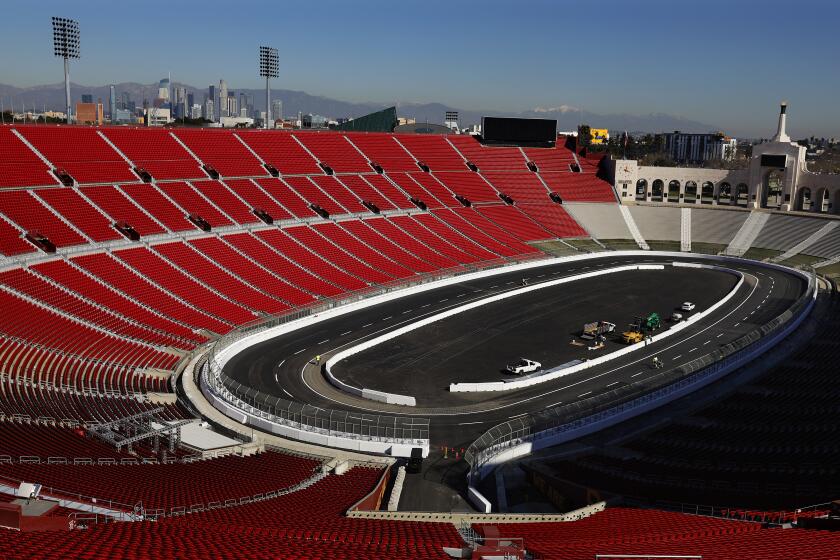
(361, 188)
(384, 151)
(11, 240)
(365, 231)
(222, 151)
(434, 188)
(72, 278)
(469, 185)
(140, 287)
(185, 287)
(470, 231)
(553, 218)
(407, 240)
(33, 440)
(579, 187)
(155, 151)
(163, 486)
(644, 533)
(394, 195)
(521, 187)
(511, 219)
(432, 150)
(199, 266)
(223, 199)
(266, 247)
(488, 159)
(26, 321)
(30, 215)
(411, 226)
(294, 246)
(292, 201)
(366, 254)
(76, 210)
(454, 238)
(194, 204)
(116, 203)
(20, 166)
(281, 151)
(337, 255)
(490, 228)
(49, 296)
(153, 201)
(312, 194)
(80, 151)
(257, 198)
(558, 158)
(335, 151)
(335, 189)
(249, 269)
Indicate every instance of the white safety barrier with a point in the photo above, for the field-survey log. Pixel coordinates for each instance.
(555, 374)
(462, 387)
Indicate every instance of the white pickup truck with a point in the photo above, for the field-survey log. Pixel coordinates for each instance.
(523, 366)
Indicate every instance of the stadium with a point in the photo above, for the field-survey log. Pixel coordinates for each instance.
(327, 344)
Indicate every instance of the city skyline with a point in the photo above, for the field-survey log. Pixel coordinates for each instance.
(620, 59)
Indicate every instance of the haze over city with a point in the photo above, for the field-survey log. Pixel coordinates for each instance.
(722, 63)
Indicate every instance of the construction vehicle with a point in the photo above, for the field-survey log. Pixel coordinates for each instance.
(632, 336)
(593, 330)
(640, 326)
(652, 322)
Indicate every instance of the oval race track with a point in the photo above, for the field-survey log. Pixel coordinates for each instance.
(282, 366)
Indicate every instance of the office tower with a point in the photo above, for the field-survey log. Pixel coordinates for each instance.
(277, 109)
(223, 95)
(87, 98)
(112, 102)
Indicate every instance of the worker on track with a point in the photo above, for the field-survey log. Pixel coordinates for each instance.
(657, 363)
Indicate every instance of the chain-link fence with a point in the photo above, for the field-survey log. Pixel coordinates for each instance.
(626, 397)
(309, 418)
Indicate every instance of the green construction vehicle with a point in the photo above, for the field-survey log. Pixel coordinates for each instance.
(652, 322)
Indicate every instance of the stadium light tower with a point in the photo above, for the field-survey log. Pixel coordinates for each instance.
(66, 46)
(269, 68)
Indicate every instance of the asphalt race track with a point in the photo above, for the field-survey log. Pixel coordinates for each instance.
(474, 345)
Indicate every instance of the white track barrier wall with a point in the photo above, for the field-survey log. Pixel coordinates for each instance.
(551, 375)
(600, 421)
(497, 386)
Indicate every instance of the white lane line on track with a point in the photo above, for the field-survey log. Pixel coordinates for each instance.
(692, 350)
(720, 335)
(705, 343)
(677, 357)
(555, 404)
(425, 306)
(345, 333)
(288, 393)
(444, 299)
(388, 317)
(739, 322)
(492, 287)
(406, 311)
(470, 423)
(517, 416)
(613, 383)
(584, 394)
(364, 326)
(563, 388)
(460, 295)
(323, 341)
(299, 351)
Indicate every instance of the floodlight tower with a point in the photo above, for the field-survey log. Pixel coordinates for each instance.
(269, 68)
(66, 46)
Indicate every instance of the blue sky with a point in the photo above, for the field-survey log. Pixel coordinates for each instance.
(722, 62)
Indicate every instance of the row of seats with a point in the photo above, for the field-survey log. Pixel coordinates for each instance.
(650, 532)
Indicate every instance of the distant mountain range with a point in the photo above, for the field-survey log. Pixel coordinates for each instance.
(51, 96)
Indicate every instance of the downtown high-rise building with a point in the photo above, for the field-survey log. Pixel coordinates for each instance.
(223, 99)
(277, 109)
(209, 112)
